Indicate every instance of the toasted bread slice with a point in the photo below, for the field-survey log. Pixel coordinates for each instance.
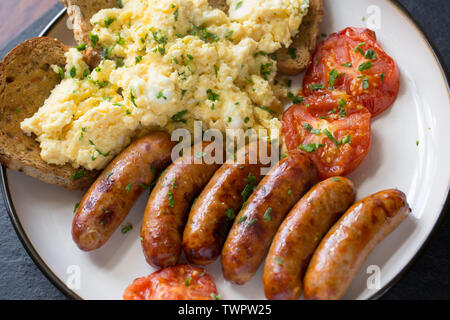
(81, 12)
(26, 80)
(294, 60)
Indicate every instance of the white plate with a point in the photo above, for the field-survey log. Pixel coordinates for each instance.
(42, 214)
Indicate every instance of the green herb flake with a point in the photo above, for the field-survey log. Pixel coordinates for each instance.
(79, 174)
(81, 47)
(311, 147)
(76, 207)
(109, 21)
(365, 66)
(230, 214)
(126, 228)
(238, 5)
(267, 215)
(242, 219)
(292, 53)
(278, 261)
(171, 200)
(73, 72)
(94, 39)
(316, 86)
(178, 117)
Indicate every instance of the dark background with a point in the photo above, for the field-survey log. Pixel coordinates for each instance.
(427, 278)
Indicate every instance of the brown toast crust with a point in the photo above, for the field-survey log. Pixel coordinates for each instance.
(26, 81)
(294, 60)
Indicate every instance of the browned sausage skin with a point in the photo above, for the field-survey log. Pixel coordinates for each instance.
(110, 198)
(213, 213)
(168, 207)
(255, 226)
(300, 233)
(344, 249)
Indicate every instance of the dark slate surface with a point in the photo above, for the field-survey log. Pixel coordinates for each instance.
(428, 278)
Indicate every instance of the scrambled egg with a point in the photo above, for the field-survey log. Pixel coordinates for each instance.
(166, 64)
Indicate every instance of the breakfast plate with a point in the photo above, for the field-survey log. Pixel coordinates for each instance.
(409, 152)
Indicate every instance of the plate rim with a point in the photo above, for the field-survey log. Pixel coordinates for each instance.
(61, 286)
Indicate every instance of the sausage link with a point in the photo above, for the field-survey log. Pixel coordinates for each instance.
(168, 207)
(213, 212)
(344, 249)
(256, 224)
(110, 198)
(300, 233)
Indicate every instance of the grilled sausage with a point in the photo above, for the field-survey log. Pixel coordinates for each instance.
(256, 224)
(110, 198)
(168, 207)
(344, 249)
(300, 233)
(215, 209)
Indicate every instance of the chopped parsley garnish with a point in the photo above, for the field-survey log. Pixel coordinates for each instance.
(187, 282)
(73, 72)
(132, 98)
(278, 261)
(76, 207)
(333, 76)
(266, 69)
(365, 83)
(216, 70)
(79, 174)
(61, 72)
(371, 55)
(311, 147)
(307, 126)
(230, 214)
(242, 219)
(248, 189)
(204, 34)
(129, 186)
(212, 96)
(266, 109)
(138, 59)
(216, 297)
(342, 105)
(365, 66)
(81, 47)
(161, 95)
(108, 175)
(295, 99)
(246, 120)
(120, 41)
(358, 47)
(267, 215)
(94, 39)
(336, 179)
(159, 37)
(382, 77)
(175, 15)
(238, 5)
(126, 228)
(120, 4)
(347, 64)
(171, 201)
(292, 53)
(178, 117)
(316, 86)
(252, 222)
(109, 21)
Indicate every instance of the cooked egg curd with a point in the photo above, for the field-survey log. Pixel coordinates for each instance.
(166, 63)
